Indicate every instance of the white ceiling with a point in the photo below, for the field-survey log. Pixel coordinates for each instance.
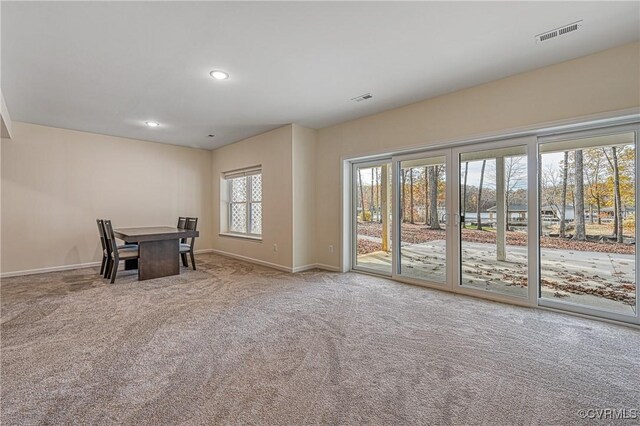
(106, 67)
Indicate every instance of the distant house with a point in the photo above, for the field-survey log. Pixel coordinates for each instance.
(470, 218)
(517, 213)
(551, 213)
(607, 212)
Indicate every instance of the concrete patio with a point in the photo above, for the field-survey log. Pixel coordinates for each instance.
(599, 272)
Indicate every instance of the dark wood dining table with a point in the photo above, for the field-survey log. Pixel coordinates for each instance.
(158, 249)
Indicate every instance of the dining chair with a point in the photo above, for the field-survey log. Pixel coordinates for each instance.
(187, 247)
(117, 252)
(106, 253)
(103, 243)
(182, 221)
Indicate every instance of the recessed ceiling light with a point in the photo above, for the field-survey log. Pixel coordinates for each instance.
(152, 123)
(219, 75)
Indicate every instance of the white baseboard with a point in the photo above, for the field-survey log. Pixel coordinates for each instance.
(303, 268)
(316, 266)
(66, 267)
(275, 265)
(203, 251)
(252, 260)
(327, 267)
(50, 269)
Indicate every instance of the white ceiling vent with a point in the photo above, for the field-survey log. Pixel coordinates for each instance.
(364, 97)
(566, 29)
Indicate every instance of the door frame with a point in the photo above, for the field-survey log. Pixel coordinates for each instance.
(578, 308)
(529, 143)
(355, 165)
(614, 122)
(396, 224)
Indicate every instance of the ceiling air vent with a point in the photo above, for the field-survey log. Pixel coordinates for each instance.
(364, 97)
(548, 35)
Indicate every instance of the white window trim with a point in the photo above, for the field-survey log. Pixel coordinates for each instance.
(247, 174)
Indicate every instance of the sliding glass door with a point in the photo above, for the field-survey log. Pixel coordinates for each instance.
(538, 221)
(422, 208)
(494, 202)
(493, 207)
(372, 217)
(588, 194)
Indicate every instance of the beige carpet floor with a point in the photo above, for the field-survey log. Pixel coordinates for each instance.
(236, 343)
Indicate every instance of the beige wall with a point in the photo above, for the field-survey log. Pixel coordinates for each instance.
(272, 150)
(288, 193)
(56, 182)
(606, 81)
(304, 190)
(53, 184)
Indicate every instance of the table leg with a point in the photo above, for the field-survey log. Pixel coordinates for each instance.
(158, 259)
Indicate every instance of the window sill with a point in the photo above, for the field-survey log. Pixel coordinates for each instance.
(241, 236)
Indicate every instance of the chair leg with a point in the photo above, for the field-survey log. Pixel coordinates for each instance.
(103, 265)
(193, 260)
(107, 269)
(115, 263)
(185, 263)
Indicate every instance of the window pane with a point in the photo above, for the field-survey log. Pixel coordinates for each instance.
(494, 214)
(256, 218)
(373, 217)
(423, 242)
(239, 217)
(256, 188)
(588, 222)
(238, 189)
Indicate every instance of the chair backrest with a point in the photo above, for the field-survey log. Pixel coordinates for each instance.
(103, 239)
(192, 225)
(182, 222)
(112, 246)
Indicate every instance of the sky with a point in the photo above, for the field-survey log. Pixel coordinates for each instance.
(549, 159)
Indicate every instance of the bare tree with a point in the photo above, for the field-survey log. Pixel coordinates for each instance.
(563, 200)
(515, 176)
(411, 217)
(371, 199)
(426, 195)
(550, 191)
(361, 192)
(580, 234)
(617, 214)
(464, 192)
(593, 174)
(479, 208)
(402, 197)
(433, 197)
(378, 193)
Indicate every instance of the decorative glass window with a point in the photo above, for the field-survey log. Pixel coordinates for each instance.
(245, 202)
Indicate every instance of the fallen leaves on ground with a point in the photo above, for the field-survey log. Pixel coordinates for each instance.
(569, 283)
(617, 293)
(417, 234)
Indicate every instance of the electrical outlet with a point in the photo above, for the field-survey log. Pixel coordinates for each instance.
(275, 248)
(331, 248)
